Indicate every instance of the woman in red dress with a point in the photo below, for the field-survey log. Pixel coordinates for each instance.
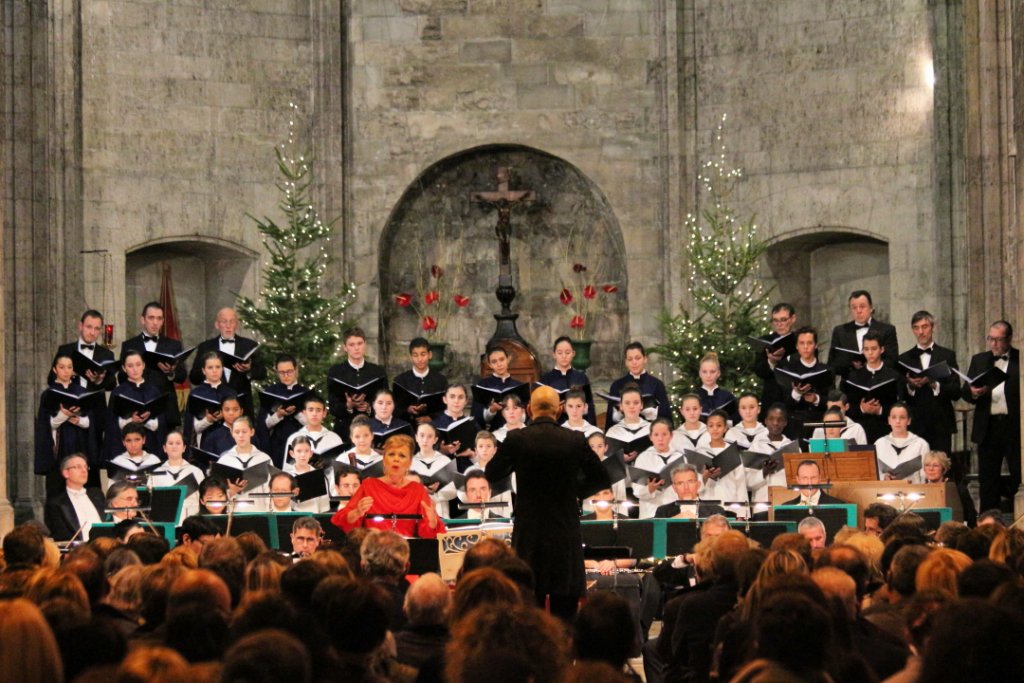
(392, 494)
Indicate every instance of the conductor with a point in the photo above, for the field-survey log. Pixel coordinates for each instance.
(554, 468)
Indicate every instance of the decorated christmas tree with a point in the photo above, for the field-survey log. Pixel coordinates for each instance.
(294, 315)
(729, 303)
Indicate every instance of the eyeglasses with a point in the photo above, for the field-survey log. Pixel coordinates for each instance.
(781, 320)
(995, 339)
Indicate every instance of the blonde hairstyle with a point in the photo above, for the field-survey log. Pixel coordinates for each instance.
(51, 553)
(263, 573)
(156, 664)
(401, 441)
(938, 456)
(28, 650)
(1007, 545)
(48, 583)
(333, 561)
(939, 571)
(870, 546)
(711, 357)
(126, 589)
(183, 556)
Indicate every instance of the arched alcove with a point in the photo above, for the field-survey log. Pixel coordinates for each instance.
(205, 274)
(437, 223)
(816, 271)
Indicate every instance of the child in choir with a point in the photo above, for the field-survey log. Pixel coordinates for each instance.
(245, 455)
(575, 410)
(65, 431)
(175, 470)
(727, 488)
(299, 455)
(489, 416)
(635, 357)
(217, 438)
(564, 376)
(277, 420)
(346, 482)
(632, 426)
(654, 493)
(384, 423)
(324, 441)
(486, 447)
(852, 431)
(214, 389)
(136, 388)
(283, 484)
(712, 396)
(213, 496)
(900, 445)
(871, 412)
(428, 461)
(515, 416)
(760, 479)
(135, 459)
(693, 433)
(361, 455)
(420, 380)
(749, 429)
(806, 398)
(455, 399)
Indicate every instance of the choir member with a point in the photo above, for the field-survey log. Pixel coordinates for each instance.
(712, 396)
(807, 382)
(653, 493)
(65, 425)
(692, 433)
(650, 386)
(239, 358)
(384, 423)
(749, 429)
(779, 344)
(361, 456)
(164, 374)
(353, 383)
(428, 462)
(489, 416)
(140, 402)
(280, 413)
(564, 377)
(175, 470)
(848, 338)
(419, 380)
(872, 388)
(245, 455)
(900, 446)
(326, 443)
(514, 414)
(206, 397)
(760, 479)
(88, 348)
(576, 410)
(852, 432)
(726, 487)
(930, 399)
(631, 427)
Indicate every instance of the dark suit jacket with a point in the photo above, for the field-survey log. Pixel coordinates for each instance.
(59, 514)
(163, 345)
(771, 391)
(983, 404)
(554, 468)
(240, 382)
(932, 414)
(845, 336)
(691, 639)
(823, 499)
(99, 353)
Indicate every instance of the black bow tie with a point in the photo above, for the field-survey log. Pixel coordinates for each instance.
(87, 346)
(862, 327)
(1003, 357)
(226, 341)
(920, 350)
(147, 338)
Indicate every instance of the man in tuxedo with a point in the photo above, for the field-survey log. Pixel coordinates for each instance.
(930, 401)
(237, 375)
(163, 375)
(783, 323)
(354, 371)
(809, 474)
(554, 468)
(88, 347)
(851, 336)
(76, 507)
(996, 427)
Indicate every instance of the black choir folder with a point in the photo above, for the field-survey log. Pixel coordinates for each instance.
(380, 437)
(787, 377)
(368, 389)
(434, 400)
(727, 460)
(615, 467)
(485, 395)
(462, 430)
(991, 378)
(254, 476)
(936, 373)
(55, 397)
(757, 461)
(642, 476)
(94, 364)
(311, 485)
(125, 406)
(152, 358)
(637, 445)
(200, 405)
(232, 359)
(884, 391)
(283, 399)
(904, 470)
(785, 341)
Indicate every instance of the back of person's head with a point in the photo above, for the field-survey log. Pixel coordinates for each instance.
(583, 671)
(333, 561)
(795, 631)
(605, 630)
(126, 589)
(883, 513)
(484, 553)
(427, 601)
(119, 559)
(198, 632)
(263, 610)
(485, 586)
(199, 587)
(519, 644)
(300, 580)
(908, 525)
(384, 554)
(251, 544)
(849, 560)
(748, 566)
(268, 656)
(1008, 547)
(156, 586)
(972, 640)
(354, 613)
(795, 542)
(28, 650)
(24, 545)
(902, 577)
(95, 643)
(91, 570)
(149, 547)
(517, 569)
(840, 587)
(977, 543)
(152, 664)
(725, 552)
(264, 572)
(939, 571)
(224, 557)
(949, 532)
(982, 578)
(103, 545)
(56, 583)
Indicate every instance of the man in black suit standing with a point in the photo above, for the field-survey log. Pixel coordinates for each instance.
(354, 371)
(554, 468)
(930, 400)
(163, 375)
(238, 375)
(88, 347)
(996, 414)
(809, 474)
(765, 362)
(76, 507)
(850, 336)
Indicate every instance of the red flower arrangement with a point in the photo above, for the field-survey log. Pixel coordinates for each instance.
(579, 295)
(437, 301)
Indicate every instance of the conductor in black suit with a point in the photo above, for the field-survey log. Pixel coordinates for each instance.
(88, 346)
(554, 468)
(851, 335)
(996, 414)
(931, 401)
(164, 375)
(809, 474)
(67, 512)
(238, 376)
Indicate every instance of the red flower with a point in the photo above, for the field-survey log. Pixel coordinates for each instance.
(429, 324)
(566, 297)
(577, 322)
(589, 292)
(610, 289)
(578, 267)
(461, 301)
(436, 271)
(431, 297)
(403, 300)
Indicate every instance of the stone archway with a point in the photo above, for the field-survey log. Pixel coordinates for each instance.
(815, 270)
(436, 223)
